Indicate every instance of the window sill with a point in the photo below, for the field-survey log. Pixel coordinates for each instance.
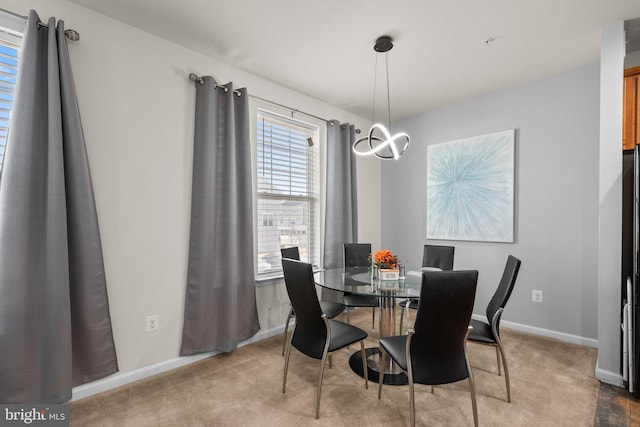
(276, 278)
(271, 279)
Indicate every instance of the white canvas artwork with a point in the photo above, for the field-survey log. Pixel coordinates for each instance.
(470, 188)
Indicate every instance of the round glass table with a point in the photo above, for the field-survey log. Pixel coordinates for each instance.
(359, 281)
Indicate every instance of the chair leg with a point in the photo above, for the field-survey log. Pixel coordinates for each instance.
(407, 308)
(364, 365)
(373, 318)
(412, 401)
(401, 318)
(383, 356)
(286, 329)
(286, 367)
(498, 359)
(472, 387)
(506, 369)
(330, 362)
(319, 389)
(348, 317)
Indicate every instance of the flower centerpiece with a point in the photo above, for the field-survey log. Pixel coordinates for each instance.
(387, 263)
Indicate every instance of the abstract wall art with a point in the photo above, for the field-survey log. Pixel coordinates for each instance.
(470, 188)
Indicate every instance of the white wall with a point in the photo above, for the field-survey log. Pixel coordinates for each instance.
(556, 198)
(610, 203)
(137, 109)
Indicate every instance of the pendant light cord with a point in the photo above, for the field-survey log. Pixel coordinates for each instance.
(386, 63)
(375, 78)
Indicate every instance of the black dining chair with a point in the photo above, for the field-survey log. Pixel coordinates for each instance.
(435, 351)
(291, 253)
(314, 334)
(433, 256)
(489, 333)
(330, 308)
(357, 255)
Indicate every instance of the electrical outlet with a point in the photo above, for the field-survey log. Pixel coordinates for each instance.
(153, 322)
(536, 295)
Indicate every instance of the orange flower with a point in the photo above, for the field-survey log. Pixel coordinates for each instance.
(384, 258)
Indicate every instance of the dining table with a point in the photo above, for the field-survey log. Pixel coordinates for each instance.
(361, 281)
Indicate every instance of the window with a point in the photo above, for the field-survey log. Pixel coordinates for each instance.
(10, 41)
(287, 189)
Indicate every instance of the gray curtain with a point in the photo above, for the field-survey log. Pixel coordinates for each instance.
(55, 328)
(220, 307)
(341, 213)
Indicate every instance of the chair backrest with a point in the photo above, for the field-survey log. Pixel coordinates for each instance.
(310, 333)
(357, 254)
(438, 256)
(291, 253)
(444, 313)
(502, 294)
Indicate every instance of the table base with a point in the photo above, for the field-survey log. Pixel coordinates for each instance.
(373, 368)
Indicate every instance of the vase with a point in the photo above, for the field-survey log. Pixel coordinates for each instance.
(389, 274)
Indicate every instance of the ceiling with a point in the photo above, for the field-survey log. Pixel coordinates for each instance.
(325, 48)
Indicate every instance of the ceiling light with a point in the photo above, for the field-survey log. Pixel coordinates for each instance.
(380, 141)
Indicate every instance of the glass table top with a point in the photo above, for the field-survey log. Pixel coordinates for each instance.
(358, 281)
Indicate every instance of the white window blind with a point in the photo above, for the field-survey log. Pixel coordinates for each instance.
(9, 50)
(287, 190)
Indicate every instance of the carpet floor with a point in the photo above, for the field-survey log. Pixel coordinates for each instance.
(552, 384)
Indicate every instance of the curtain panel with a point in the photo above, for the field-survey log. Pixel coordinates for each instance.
(55, 327)
(220, 305)
(341, 213)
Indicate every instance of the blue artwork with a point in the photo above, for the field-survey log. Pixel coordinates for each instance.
(470, 188)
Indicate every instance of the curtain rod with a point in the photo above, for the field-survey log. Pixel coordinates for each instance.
(71, 34)
(198, 79)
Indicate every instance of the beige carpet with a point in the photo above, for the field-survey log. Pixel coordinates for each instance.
(552, 384)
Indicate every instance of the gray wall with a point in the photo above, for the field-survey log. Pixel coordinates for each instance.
(557, 134)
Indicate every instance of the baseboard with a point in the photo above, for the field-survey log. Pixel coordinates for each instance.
(562, 336)
(121, 379)
(609, 377)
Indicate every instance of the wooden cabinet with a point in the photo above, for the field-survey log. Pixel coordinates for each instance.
(631, 109)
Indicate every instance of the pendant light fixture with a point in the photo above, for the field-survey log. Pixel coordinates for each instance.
(379, 140)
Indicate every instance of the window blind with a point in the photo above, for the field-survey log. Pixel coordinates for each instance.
(287, 189)
(9, 50)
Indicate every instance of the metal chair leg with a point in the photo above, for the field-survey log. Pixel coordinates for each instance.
(412, 401)
(373, 318)
(286, 366)
(506, 369)
(325, 352)
(401, 319)
(412, 397)
(383, 356)
(286, 329)
(407, 308)
(319, 389)
(364, 365)
(472, 386)
(498, 359)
